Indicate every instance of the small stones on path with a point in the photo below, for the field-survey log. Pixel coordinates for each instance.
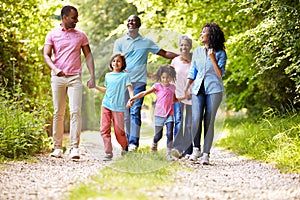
(227, 177)
(46, 177)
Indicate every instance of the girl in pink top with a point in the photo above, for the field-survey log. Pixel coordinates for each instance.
(164, 112)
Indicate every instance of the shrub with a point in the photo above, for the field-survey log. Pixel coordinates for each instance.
(22, 127)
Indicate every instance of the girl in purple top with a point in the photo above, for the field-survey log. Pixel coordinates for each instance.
(164, 112)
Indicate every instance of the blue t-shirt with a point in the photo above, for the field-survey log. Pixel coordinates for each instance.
(202, 70)
(116, 84)
(136, 51)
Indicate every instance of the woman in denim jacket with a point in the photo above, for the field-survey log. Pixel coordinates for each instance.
(207, 69)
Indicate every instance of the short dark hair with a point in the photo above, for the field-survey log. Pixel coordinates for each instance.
(122, 56)
(66, 10)
(138, 20)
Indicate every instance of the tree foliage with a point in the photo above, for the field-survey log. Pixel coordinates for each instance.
(23, 27)
(269, 74)
(24, 77)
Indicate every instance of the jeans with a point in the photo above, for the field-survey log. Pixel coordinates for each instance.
(63, 87)
(132, 116)
(159, 133)
(183, 134)
(205, 108)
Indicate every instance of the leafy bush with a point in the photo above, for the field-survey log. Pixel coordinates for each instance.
(271, 138)
(263, 69)
(22, 132)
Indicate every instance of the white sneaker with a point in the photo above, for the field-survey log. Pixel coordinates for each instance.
(108, 157)
(74, 153)
(132, 147)
(170, 157)
(187, 156)
(57, 153)
(195, 155)
(205, 159)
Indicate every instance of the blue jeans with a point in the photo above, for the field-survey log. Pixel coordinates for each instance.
(132, 116)
(205, 108)
(183, 134)
(159, 133)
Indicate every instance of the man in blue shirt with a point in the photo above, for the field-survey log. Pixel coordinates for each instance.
(136, 48)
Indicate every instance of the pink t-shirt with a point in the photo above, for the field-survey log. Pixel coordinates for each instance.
(67, 49)
(182, 71)
(164, 100)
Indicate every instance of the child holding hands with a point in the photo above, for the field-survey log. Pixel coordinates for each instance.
(163, 113)
(113, 105)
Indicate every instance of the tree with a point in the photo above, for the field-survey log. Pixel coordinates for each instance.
(268, 75)
(22, 33)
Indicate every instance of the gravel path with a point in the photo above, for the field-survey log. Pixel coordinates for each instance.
(233, 177)
(228, 177)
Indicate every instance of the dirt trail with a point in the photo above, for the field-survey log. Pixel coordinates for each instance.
(228, 177)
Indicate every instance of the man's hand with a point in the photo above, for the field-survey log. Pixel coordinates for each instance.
(91, 83)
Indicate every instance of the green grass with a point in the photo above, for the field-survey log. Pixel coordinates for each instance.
(131, 177)
(273, 139)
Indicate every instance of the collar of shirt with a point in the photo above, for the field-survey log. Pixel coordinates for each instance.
(130, 38)
(64, 29)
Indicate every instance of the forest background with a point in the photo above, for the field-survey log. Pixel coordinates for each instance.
(262, 72)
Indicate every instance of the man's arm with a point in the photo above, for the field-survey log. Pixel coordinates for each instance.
(167, 54)
(47, 57)
(90, 65)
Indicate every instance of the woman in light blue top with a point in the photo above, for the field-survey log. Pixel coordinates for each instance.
(207, 69)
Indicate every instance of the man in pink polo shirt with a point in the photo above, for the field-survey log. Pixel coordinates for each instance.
(66, 43)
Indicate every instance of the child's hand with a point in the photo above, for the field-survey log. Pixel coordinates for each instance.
(188, 95)
(129, 103)
(181, 98)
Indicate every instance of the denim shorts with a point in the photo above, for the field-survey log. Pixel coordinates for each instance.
(161, 121)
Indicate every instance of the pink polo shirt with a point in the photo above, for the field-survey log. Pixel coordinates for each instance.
(67, 49)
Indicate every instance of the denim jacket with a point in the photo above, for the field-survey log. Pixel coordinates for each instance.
(202, 70)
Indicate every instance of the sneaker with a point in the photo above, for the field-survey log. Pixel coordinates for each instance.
(154, 147)
(74, 153)
(205, 159)
(124, 152)
(170, 157)
(187, 156)
(175, 153)
(195, 155)
(108, 157)
(132, 147)
(57, 153)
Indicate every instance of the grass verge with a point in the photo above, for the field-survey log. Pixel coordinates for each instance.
(274, 139)
(137, 175)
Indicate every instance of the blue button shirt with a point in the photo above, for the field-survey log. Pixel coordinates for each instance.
(202, 70)
(136, 51)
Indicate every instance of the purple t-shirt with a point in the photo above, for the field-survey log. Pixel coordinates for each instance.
(67, 49)
(164, 100)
